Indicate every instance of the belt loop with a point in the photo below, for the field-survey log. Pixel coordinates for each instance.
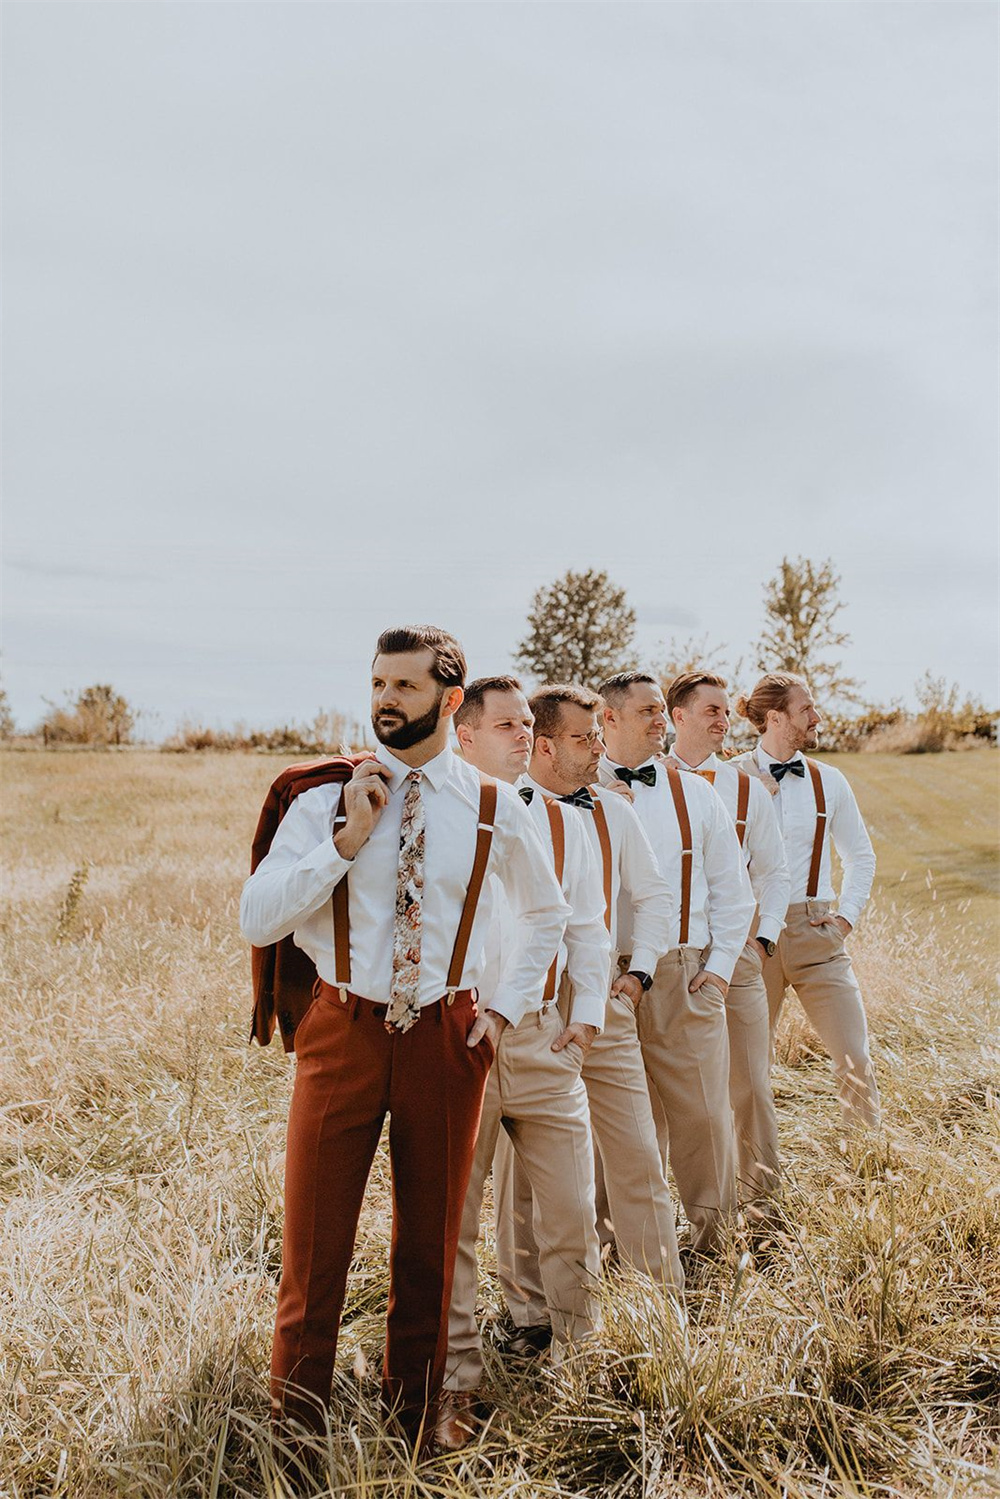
(440, 1009)
(355, 1007)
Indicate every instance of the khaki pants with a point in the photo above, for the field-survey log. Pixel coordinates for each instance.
(814, 960)
(685, 1049)
(538, 1096)
(750, 1094)
(638, 1205)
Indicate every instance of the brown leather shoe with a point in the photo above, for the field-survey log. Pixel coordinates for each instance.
(458, 1420)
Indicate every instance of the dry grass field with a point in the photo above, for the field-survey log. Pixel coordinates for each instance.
(140, 1192)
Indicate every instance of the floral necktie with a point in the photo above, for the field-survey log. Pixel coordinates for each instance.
(404, 1009)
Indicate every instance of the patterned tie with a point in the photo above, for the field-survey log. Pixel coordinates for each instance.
(404, 1009)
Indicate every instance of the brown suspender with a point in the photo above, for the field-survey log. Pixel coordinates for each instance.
(687, 848)
(557, 832)
(484, 838)
(812, 888)
(341, 909)
(742, 805)
(604, 839)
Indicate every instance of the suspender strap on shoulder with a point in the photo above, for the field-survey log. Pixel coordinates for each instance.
(341, 916)
(687, 848)
(557, 832)
(742, 805)
(484, 841)
(812, 888)
(604, 839)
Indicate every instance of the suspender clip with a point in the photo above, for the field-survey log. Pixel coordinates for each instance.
(344, 994)
(450, 996)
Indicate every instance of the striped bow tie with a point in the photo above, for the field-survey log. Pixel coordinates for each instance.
(647, 775)
(795, 766)
(581, 798)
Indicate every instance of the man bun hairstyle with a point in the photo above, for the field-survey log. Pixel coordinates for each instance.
(449, 666)
(771, 693)
(470, 710)
(683, 687)
(547, 704)
(614, 690)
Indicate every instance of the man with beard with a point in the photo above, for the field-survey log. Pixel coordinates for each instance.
(682, 1018)
(394, 1027)
(698, 705)
(814, 805)
(534, 1096)
(564, 761)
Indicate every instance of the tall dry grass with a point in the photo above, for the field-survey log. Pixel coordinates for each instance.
(140, 1171)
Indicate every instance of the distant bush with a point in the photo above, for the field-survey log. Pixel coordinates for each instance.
(946, 720)
(330, 733)
(98, 716)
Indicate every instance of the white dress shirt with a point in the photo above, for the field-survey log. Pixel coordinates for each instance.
(795, 809)
(763, 845)
(635, 880)
(585, 951)
(291, 889)
(722, 903)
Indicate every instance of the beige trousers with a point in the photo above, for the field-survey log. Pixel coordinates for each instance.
(814, 960)
(685, 1049)
(638, 1209)
(750, 1092)
(538, 1096)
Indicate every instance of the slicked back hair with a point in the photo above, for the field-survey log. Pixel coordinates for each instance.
(449, 666)
(684, 687)
(470, 710)
(772, 691)
(615, 689)
(547, 704)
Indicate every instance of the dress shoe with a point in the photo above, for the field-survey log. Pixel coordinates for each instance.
(458, 1420)
(526, 1343)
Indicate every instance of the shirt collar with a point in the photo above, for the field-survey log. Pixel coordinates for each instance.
(527, 780)
(613, 764)
(711, 763)
(765, 761)
(437, 770)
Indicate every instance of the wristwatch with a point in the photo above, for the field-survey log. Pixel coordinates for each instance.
(644, 978)
(769, 947)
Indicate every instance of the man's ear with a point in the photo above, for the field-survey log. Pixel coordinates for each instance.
(542, 746)
(609, 715)
(464, 736)
(452, 702)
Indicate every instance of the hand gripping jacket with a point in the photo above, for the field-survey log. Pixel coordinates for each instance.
(283, 976)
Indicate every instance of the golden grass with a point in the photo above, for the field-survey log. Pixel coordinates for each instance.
(140, 1193)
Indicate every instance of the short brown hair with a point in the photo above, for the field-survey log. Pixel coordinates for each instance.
(449, 666)
(470, 710)
(546, 704)
(614, 690)
(684, 686)
(771, 692)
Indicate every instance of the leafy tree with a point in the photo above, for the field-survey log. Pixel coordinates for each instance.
(691, 653)
(580, 629)
(800, 632)
(100, 715)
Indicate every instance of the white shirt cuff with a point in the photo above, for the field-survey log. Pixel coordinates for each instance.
(721, 963)
(769, 929)
(588, 1011)
(645, 959)
(508, 1004)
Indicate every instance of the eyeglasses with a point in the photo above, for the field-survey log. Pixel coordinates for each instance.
(588, 739)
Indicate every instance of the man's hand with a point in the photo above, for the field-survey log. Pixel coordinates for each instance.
(622, 790)
(582, 1035)
(628, 984)
(487, 1023)
(707, 977)
(366, 795)
(832, 919)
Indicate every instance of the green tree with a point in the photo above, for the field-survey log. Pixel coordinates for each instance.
(580, 629)
(800, 632)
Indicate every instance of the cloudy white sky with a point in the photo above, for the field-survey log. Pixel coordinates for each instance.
(320, 317)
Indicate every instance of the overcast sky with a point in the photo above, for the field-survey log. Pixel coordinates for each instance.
(322, 317)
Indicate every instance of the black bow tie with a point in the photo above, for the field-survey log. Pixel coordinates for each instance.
(795, 766)
(647, 775)
(581, 798)
(526, 793)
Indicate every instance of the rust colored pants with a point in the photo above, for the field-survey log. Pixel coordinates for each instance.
(351, 1072)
